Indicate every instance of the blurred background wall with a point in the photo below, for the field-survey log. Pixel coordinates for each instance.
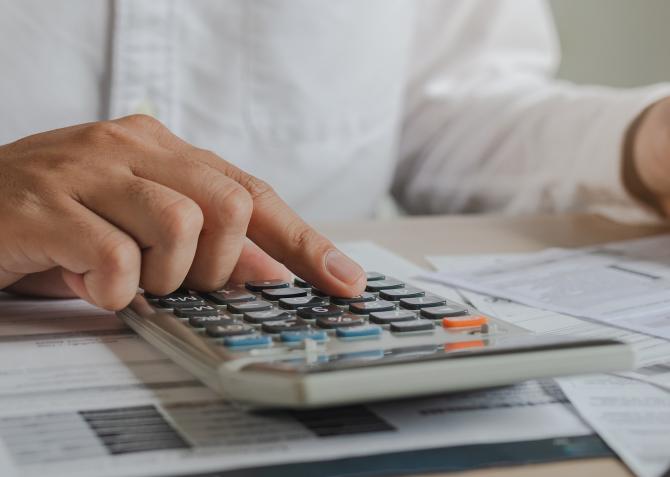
(614, 42)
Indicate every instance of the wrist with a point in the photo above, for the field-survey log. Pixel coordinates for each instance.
(645, 170)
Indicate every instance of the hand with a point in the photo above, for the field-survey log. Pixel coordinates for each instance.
(646, 169)
(102, 208)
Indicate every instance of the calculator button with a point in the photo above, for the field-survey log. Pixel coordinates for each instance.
(230, 329)
(341, 300)
(439, 312)
(258, 317)
(274, 327)
(365, 331)
(461, 345)
(199, 310)
(260, 285)
(241, 308)
(299, 336)
(366, 307)
(422, 302)
(385, 284)
(300, 283)
(202, 321)
(226, 297)
(317, 292)
(180, 301)
(387, 317)
(464, 321)
(373, 276)
(331, 322)
(396, 294)
(301, 302)
(412, 326)
(313, 312)
(247, 341)
(152, 296)
(277, 293)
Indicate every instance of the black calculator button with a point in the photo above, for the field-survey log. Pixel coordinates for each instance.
(385, 284)
(395, 294)
(226, 297)
(332, 322)
(317, 292)
(300, 283)
(198, 310)
(231, 329)
(180, 301)
(373, 276)
(422, 302)
(439, 312)
(365, 307)
(258, 317)
(202, 321)
(241, 308)
(152, 296)
(277, 293)
(341, 300)
(260, 285)
(301, 302)
(411, 326)
(275, 327)
(387, 317)
(314, 312)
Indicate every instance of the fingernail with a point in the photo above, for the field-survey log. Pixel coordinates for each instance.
(342, 267)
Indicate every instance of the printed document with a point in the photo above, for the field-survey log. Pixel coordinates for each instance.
(623, 284)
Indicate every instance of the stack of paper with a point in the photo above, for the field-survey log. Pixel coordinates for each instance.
(619, 290)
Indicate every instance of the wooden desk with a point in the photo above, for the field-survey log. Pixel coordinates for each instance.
(416, 237)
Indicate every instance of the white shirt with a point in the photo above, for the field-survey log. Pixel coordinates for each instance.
(449, 104)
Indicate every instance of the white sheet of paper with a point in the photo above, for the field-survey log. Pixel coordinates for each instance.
(652, 354)
(632, 417)
(624, 284)
(82, 395)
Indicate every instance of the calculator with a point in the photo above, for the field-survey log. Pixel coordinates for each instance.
(274, 343)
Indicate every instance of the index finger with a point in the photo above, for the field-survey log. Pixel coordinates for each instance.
(290, 240)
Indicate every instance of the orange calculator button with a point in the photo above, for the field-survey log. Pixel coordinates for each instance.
(464, 321)
(458, 345)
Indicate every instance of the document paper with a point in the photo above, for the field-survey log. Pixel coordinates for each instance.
(82, 395)
(624, 284)
(632, 417)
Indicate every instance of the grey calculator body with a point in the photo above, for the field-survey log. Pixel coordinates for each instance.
(363, 356)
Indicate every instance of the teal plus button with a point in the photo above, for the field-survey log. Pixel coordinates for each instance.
(365, 331)
(247, 341)
(300, 336)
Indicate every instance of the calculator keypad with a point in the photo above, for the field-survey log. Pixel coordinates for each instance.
(290, 315)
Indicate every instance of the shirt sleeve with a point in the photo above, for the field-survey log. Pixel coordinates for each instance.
(488, 129)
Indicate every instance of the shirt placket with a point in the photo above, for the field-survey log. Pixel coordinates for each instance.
(144, 72)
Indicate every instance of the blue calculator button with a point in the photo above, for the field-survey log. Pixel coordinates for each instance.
(247, 341)
(299, 336)
(366, 331)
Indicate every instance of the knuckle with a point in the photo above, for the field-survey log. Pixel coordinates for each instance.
(257, 188)
(304, 238)
(143, 121)
(236, 205)
(182, 219)
(104, 132)
(119, 255)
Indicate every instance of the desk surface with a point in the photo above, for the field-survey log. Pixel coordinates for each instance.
(416, 237)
